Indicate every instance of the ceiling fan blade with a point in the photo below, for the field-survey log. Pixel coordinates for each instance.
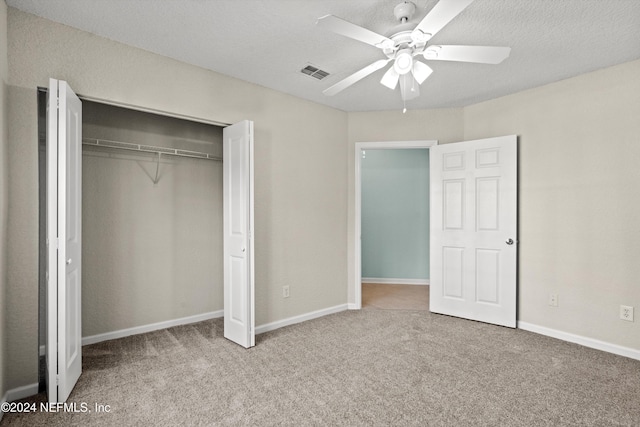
(355, 77)
(441, 14)
(421, 71)
(390, 78)
(409, 87)
(345, 28)
(479, 54)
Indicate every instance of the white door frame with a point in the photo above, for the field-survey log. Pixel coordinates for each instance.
(360, 146)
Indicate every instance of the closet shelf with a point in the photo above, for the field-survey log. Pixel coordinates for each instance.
(148, 149)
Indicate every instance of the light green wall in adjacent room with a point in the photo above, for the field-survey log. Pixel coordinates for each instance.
(578, 180)
(444, 125)
(395, 214)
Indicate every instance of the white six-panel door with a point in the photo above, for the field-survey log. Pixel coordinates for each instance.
(64, 240)
(239, 319)
(474, 230)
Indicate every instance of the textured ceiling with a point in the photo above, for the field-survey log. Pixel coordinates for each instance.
(267, 42)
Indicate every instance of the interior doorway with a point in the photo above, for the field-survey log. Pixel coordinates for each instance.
(361, 154)
(386, 296)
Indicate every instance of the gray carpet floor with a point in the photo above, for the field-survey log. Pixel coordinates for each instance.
(369, 367)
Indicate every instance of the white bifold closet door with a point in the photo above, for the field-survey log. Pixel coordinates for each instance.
(64, 240)
(239, 307)
(474, 230)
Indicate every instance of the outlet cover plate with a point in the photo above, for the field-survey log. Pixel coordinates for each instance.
(626, 313)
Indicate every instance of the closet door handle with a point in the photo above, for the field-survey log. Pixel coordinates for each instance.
(244, 249)
(69, 261)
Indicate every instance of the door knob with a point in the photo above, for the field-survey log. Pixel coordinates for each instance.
(243, 249)
(509, 242)
(69, 261)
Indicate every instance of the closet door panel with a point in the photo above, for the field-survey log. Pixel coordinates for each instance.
(64, 241)
(239, 307)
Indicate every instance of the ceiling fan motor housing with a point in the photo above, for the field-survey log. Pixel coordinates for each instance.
(402, 34)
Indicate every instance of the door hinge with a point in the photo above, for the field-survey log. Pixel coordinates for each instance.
(57, 380)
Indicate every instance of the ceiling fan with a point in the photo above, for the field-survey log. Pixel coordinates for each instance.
(406, 42)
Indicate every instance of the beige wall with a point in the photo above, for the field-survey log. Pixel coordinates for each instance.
(300, 168)
(4, 189)
(444, 125)
(151, 251)
(578, 185)
(579, 142)
(578, 180)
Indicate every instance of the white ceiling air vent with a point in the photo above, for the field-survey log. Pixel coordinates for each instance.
(314, 72)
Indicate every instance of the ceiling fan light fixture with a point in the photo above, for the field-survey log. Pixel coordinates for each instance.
(404, 62)
(421, 71)
(390, 78)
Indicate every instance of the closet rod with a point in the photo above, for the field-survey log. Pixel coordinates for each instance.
(96, 142)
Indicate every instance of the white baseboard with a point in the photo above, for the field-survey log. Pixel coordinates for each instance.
(353, 306)
(151, 327)
(29, 390)
(578, 339)
(206, 316)
(385, 281)
(301, 318)
(19, 393)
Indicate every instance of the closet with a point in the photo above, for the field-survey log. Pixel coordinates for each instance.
(152, 219)
(152, 222)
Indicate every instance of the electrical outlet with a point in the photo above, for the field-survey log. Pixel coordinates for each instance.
(626, 313)
(553, 300)
(285, 292)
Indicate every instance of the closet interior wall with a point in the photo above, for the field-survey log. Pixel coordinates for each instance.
(152, 252)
